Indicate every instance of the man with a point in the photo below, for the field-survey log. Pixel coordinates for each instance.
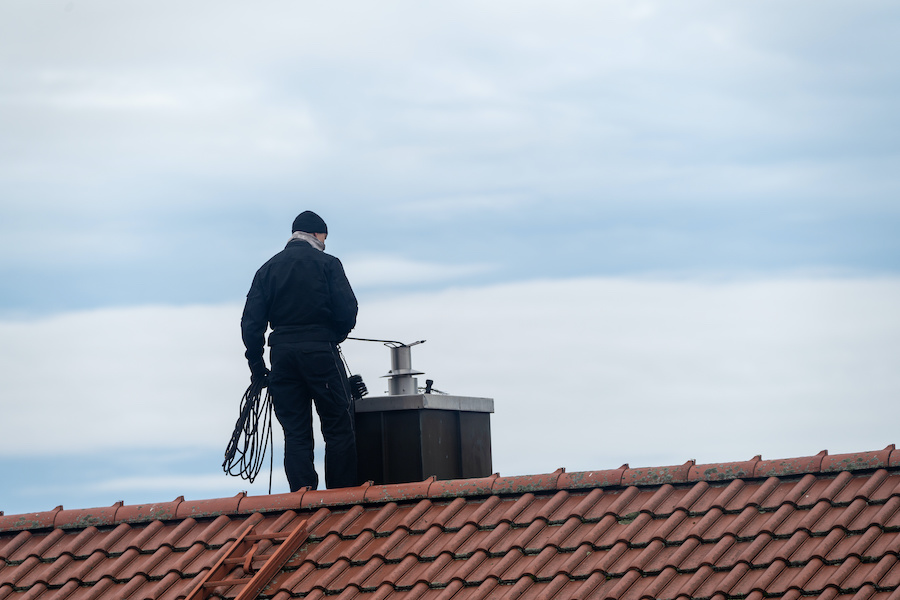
(304, 295)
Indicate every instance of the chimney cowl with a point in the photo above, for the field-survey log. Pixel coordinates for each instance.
(401, 381)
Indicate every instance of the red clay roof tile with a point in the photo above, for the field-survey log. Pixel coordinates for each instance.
(789, 528)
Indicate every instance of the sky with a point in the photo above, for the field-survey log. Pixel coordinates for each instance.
(652, 232)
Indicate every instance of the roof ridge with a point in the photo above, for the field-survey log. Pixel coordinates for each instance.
(431, 488)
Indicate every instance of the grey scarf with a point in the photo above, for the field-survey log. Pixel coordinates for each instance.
(308, 237)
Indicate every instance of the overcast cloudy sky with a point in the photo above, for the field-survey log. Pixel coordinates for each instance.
(651, 231)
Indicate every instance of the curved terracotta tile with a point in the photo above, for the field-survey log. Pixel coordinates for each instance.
(357, 577)
(79, 519)
(451, 488)
(452, 588)
(336, 522)
(591, 479)
(615, 503)
(40, 520)
(790, 466)
(805, 492)
(399, 491)
(808, 519)
(452, 541)
(295, 579)
(270, 503)
(334, 497)
(139, 513)
(888, 489)
(555, 563)
(657, 475)
(863, 486)
(485, 590)
(209, 508)
(196, 559)
(870, 574)
(844, 517)
(623, 583)
(660, 529)
(560, 535)
(722, 581)
(684, 499)
(410, 517)
(606, 559)
(583, 503)
(521, 537)
(858, 460)
(673, 556)
(421, 542)
(372, 520)
(688, 585)
(10, 545)
(438, 514)
(891, 579)
(426, 572)
(508, 510)
(720, 496)
(444, 515)
(657, 499)
(721, 471)
(521, 484)
(47, 572)
(712, 525)
(491, 567)
(80, 544)
(543, 507)
(819, 547)
(324, 578)
(861, 544)
(553, 589)
(765, 492)
(660, 582)
(593, 586)
(475, 513)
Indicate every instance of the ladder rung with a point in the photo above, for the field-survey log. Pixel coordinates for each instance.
(242, 559)
(267, 536)
(219, 582)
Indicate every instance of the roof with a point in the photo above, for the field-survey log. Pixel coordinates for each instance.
(821, 526)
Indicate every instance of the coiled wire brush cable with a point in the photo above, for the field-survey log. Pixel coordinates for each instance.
(246, 450)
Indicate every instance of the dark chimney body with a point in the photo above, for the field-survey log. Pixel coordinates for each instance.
(410, 435)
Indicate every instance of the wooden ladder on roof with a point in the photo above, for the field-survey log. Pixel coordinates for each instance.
(243, 553)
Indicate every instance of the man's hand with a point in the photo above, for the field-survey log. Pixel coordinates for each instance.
(260, 375)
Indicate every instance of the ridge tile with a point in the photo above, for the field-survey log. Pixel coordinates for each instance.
(723, 471)
(858, 460)
(657, 475)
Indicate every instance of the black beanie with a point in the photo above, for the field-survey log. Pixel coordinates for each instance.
(309, 222)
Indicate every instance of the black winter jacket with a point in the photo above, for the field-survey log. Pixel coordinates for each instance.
(304, 295)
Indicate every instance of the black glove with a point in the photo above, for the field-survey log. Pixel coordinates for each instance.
(260, 374)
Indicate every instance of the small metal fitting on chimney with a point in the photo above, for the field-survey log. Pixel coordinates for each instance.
(402, 382)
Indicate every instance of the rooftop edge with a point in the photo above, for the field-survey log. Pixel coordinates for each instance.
(624, 476)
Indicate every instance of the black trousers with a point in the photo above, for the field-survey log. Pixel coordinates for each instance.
(304, 373)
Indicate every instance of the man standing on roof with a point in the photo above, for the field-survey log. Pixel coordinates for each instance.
(304, 295)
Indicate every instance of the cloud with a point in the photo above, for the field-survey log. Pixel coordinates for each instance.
(373, 271)
(188, 133)
(584, 372)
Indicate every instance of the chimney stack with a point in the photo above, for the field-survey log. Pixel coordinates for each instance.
(413, 433)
